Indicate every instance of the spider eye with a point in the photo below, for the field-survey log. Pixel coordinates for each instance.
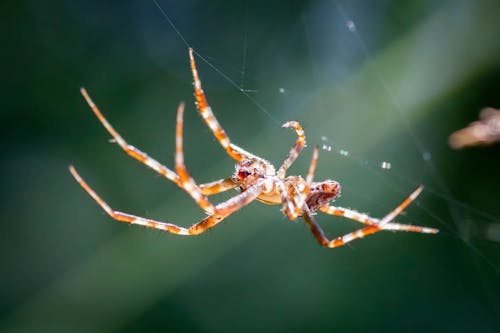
(243, 174)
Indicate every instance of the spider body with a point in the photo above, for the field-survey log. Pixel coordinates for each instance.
(255, 177)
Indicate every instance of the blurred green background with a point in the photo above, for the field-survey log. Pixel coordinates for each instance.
(386, 80)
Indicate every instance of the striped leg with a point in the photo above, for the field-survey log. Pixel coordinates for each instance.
(129, 149)
(384, 222)
(339, 241)
(289, 206)
(368, 220)
(293, 210)
(123, 217)
(208, 116)
(374, 225)
(310, 173)
(227, 208)
(217, 186)
(222, 210)
(187, 182)
(296, 149)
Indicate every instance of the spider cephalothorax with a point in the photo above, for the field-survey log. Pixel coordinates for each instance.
(256, 178)
(248, 171)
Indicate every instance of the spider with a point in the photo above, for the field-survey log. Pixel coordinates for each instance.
(254, 177)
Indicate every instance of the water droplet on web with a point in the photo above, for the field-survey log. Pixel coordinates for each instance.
(351, 26)
(344, 152)
(327, 147)
(385, 165)
(282, 90)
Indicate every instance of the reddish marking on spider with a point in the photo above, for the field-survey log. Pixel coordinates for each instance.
(254, 177)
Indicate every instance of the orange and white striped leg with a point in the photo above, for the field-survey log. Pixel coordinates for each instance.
(368, 220)
(392, 215)
(296, 149)
(129, 149)
(289, 206)
(124, 217)
(208, 116)
(310, 172)
(227, 208)
(222, 210)
(374, 225)
(293, 210)
(187, 182)
(339, 241)
(350, 214)
(217, 186)
(384, 222)
(371, 229)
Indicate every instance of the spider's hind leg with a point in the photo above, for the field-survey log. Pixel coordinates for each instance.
(124, 217)
(222, 210)
(374, 225)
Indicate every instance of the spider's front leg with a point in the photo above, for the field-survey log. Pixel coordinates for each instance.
(296, 149)
(208, 116)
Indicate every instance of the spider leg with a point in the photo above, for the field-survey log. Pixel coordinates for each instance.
(227, 208)
(124, 217)
(292, 209)
(289, 207)
(198, 193)
(208, 116)
(374, 225)
(187, 182)
(217, 186)
(368, 220)
(384, 222)
(222, 210)
(371, 229)
(309, 179)
(296, 149)
(129, 149)
(350, 214)
(396, 211)
(339, 241)
(310, 173)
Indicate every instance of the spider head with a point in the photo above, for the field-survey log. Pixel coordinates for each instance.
(322, 193)
(248, 171)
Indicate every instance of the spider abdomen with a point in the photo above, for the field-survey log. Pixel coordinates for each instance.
(321, 193)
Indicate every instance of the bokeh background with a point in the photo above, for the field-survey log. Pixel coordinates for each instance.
(383, 80)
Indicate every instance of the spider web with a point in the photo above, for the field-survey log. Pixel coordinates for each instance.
(358, 53)
(378, 87)
(411, 148)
